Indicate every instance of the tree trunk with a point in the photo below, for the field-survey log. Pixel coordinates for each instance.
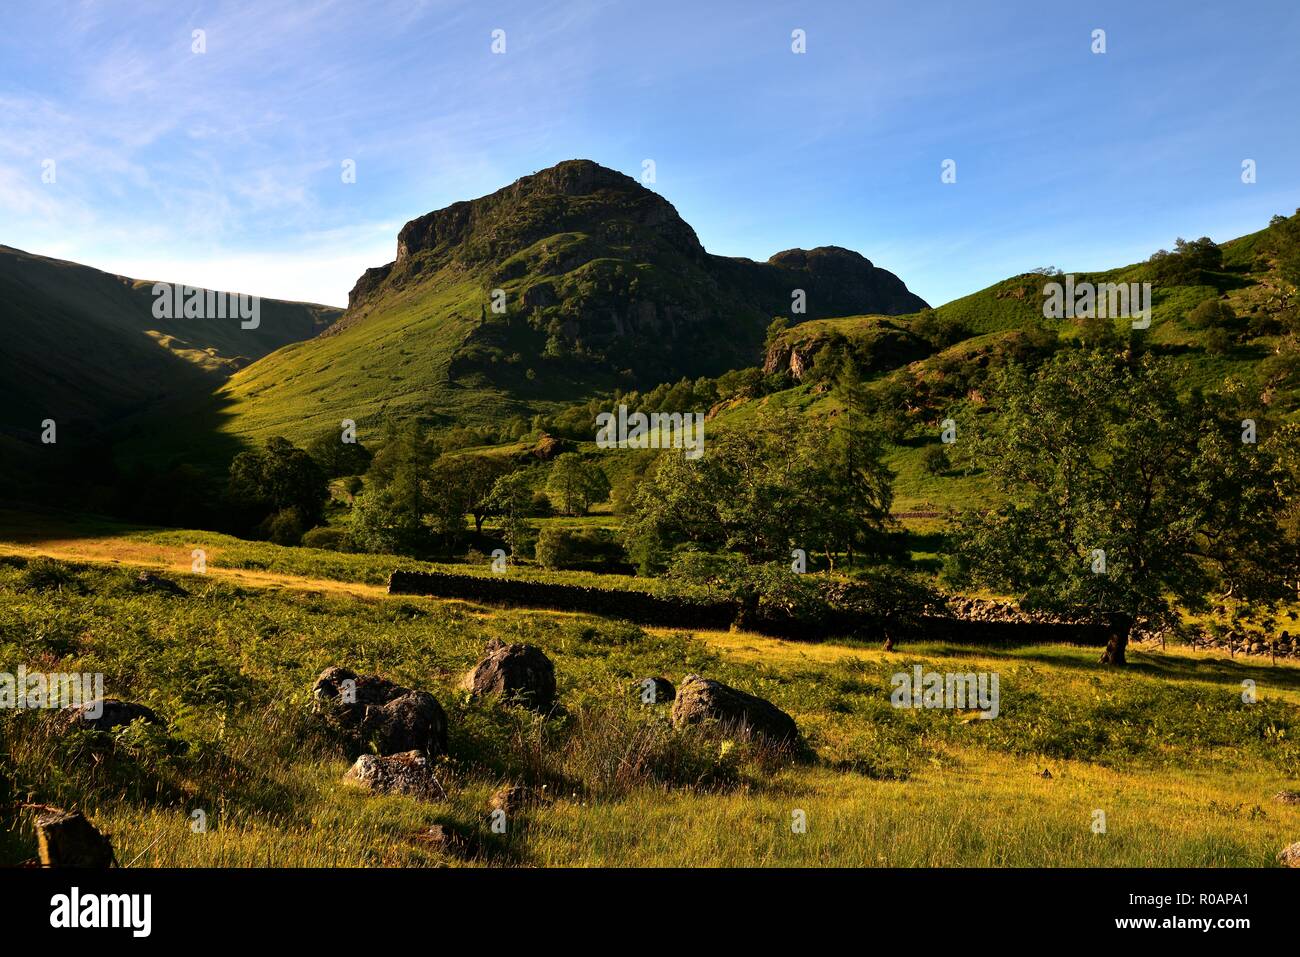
(1120, 627)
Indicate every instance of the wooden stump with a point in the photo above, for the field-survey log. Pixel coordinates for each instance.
(67, 839)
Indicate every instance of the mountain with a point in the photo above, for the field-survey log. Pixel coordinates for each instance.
(598, 284)
(83, 348)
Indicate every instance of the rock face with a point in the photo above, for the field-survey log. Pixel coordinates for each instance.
(67, 839)
(655, 690)
(520, 672)
(406, 773)
(700, 699)
(115, 714)
(376, 715)
(878, 347)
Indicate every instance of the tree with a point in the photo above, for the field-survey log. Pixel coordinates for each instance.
(398, 492)
(1218, 342)
(852, 486)
(1284, 233)
(775, 329)
(576, 484)
(511, 499)
(382, 522)
(277, 477)
(405, 448)
(478, 475)
(1124, 496)
(783, 481)
(1188, 263)
(448, 498)
(336, 457)
(392, 513)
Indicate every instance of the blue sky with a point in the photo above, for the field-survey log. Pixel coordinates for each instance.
(223, 168)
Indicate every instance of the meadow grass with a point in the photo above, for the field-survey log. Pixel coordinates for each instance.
(1182, 767)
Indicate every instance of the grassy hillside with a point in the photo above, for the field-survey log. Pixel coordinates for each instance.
(82, 347)
(960, 341)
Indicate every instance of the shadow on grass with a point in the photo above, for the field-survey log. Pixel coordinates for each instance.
(1210, 669)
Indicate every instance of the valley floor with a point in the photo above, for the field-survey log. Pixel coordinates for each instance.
(1162, 764)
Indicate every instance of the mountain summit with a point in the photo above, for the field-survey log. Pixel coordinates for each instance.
(573, 280)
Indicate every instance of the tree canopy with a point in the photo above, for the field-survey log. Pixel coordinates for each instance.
(1123, 494)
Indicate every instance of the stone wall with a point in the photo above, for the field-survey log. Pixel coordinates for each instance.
(685, 612)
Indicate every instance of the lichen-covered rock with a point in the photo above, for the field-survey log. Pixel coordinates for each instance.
(377, 716)
(1287, 797)
(1290, 856)
(522, 673)
(701, 699)
(406, 773)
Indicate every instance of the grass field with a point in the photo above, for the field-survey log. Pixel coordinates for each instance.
(1183, 770)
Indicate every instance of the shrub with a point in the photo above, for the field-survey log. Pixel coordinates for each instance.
(1218, 342)
(333, 539)
(285, 527)
(935, 459)
(585, 548)
(1212, 314)
(48, 574)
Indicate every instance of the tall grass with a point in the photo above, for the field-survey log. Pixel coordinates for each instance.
(1168, 748)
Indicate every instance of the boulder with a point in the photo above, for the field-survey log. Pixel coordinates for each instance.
(406, 773)
(520, 672)
(515, 797)
(376, 716)
(67, 839)
(1290, 855)
(1287, 797)
(449, 840)
(700, 699)
(654, 690)
(107, 714)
